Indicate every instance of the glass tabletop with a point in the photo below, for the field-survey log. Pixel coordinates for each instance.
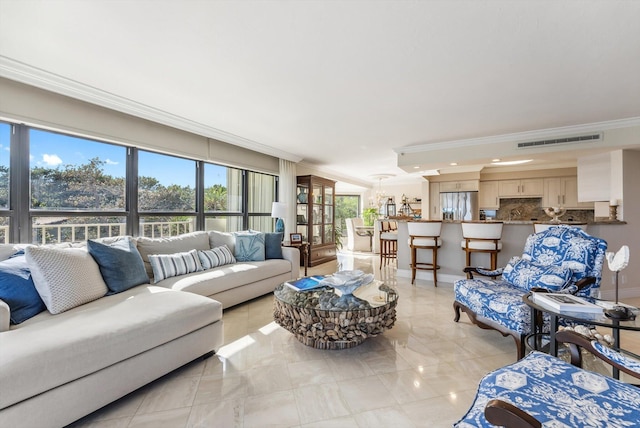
(372, 295)
(598, 319)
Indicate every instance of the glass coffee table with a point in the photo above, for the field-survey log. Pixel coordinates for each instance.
(323, 319)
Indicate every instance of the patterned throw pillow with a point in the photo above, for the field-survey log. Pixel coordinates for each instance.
(525, 275)
(249, 247)
(214, 257)
(168, 265)
(65, 277)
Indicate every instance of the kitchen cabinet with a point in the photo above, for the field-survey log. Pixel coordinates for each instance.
(434, 202)
(488, 197)
(563, 192)
(459, 186)
(526, 188)
(315, 217)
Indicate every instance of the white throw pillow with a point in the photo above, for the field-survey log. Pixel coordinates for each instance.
(168, 265)
(65, 277)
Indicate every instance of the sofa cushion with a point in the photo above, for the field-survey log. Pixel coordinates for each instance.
(18, 291)
(249, 247)
(218, 239)
(526, 274)
(168, 265)
(49, 350)
(273, 245)
(222, 278)
(65, 277)
(120, 263)
(171, 245)
(215, 257)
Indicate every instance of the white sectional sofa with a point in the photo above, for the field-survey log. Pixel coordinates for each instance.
(56, 368)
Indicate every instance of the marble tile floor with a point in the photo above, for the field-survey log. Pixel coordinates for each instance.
(422, 373)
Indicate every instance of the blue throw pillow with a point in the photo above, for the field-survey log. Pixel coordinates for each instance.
(249, 247)
(18, 291)
(273, 245)
(120, 264)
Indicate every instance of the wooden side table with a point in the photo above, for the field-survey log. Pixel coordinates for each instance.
(303, 247)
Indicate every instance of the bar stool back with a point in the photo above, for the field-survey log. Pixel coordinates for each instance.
(388, 241)
(424, 235)
(482, 238)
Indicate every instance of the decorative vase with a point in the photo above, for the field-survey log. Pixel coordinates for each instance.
(303, 197)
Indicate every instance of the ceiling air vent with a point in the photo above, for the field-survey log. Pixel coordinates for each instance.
(576, 139)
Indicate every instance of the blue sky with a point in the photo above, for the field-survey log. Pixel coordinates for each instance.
(56, 150)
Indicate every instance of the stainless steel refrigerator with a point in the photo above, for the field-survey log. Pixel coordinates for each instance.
(459, 206)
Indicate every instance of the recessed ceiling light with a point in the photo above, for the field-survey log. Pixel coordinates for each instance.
(495, 160)
(453, 163)
(416, 167)
(517, 162)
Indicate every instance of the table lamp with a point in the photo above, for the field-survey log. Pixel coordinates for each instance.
(279, 211)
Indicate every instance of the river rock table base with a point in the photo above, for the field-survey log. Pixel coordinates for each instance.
(324, 329)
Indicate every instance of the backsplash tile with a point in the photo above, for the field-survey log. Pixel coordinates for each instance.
(532, 209)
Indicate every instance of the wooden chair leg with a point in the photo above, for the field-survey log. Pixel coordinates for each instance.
(381, 252)
(413, 265)
(435, 267)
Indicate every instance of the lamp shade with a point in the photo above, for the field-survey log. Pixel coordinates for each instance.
(279, 210)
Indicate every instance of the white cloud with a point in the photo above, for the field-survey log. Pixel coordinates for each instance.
(51, 160)
(110, 162)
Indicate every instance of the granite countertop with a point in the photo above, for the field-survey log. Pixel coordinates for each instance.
(530, 222)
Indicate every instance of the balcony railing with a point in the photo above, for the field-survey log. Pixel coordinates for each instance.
(57, 233)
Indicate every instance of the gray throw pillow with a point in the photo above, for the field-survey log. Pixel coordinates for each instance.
(214, 257)
(65, 277)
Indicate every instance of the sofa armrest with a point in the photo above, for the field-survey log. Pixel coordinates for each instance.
(292, 254)
(5, 316)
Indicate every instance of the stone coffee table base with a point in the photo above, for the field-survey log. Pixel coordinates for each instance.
(324, 329)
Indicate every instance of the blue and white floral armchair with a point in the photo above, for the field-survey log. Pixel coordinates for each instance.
(545, 391)
(560, 259)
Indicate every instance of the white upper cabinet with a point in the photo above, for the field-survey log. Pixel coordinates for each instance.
(488, 198)
(459, 186)
(563, 192)
(531, 187)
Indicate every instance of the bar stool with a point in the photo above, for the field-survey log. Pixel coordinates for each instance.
(482, 238)
(388, 241)
(424, 235)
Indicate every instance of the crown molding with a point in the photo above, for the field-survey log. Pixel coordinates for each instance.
(27, 74)
(559, 132)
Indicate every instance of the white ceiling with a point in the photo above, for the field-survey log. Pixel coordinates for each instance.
(339, 85)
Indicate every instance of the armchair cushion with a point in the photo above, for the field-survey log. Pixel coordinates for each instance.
(526, 274)
(557, 393)
(497, 301)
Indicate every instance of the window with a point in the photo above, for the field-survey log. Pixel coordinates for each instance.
(78, 190)
(347, 206)
(166, 183)
(70, 173)
(261, 194)
(5, 157)
(53, 230)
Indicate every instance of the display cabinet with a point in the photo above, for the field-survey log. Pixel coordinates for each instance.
(315, 217)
